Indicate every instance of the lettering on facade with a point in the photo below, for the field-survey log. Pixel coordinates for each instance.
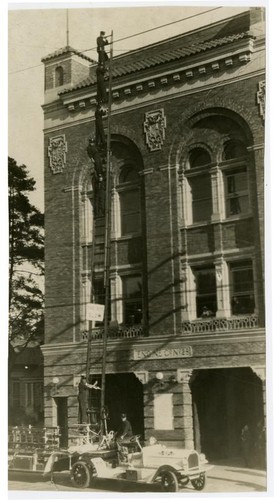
(57, 150)
(166, 353)
(154, 128)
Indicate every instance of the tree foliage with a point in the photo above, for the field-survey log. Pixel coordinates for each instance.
(26, 256)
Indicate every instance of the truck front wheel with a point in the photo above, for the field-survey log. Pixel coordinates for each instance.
(199, 483)
(169, 481)
(81, 475)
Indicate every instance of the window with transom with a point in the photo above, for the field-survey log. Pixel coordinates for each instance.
(132, 300)
(242, 287)
(236, 192)
(130, 206)
(206, 293)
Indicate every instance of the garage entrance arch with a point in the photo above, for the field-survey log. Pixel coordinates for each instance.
(224, 400)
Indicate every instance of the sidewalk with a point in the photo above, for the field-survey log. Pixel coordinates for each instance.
(220, 478)
(225, 478)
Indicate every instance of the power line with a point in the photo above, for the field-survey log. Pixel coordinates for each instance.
(34, 46)
(130, 36)
(25, 69)
(159, 27)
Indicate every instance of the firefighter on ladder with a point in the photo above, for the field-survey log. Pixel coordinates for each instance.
(101, 43)
(82, 397)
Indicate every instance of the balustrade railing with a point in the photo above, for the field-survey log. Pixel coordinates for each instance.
(215, 325)
(117, 332)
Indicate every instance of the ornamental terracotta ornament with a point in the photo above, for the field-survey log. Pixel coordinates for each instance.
(261, 98)
(154, 128)
(57, 150)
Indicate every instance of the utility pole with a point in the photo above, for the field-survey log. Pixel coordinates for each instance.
(89, 333)
(107, 244)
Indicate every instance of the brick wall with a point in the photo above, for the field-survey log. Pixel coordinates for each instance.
(163, 239)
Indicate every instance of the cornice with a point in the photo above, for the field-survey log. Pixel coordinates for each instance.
(154, 101)
(238, 53)
(152, 342)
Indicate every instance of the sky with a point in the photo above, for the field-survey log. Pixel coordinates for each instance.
(36, 32)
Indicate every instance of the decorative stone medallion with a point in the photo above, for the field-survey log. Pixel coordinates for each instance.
(261, 98)
(57, 150)
(154, 128)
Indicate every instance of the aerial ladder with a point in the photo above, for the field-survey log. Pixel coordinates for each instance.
(99, 150)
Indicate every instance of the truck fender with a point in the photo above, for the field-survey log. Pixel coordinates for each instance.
(173, 468)
(99, 465)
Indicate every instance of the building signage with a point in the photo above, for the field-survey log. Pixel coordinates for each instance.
(95, 312)
(165, 353)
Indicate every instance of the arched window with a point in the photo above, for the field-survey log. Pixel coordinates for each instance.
(128, 287)
(199, 157)
(130, 206)
(59, 76)
(234, 149)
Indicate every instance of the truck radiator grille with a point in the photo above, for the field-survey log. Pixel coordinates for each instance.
(193, 460)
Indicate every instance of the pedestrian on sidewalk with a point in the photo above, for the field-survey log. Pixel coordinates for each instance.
(246, 444)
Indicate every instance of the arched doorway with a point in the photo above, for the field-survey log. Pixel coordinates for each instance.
(224, 400)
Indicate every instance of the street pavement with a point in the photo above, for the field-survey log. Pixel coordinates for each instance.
(221, 478)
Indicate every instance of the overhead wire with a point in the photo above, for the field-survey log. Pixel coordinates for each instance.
(128, 37)
(158, 27)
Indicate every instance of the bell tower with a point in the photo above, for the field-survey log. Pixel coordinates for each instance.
(64, 68)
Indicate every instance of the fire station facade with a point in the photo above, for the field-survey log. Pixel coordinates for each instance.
(186, 341)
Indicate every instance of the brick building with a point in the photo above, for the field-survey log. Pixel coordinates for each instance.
(186, 346)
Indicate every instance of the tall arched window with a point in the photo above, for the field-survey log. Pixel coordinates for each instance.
(216, 168)
(59, 76)
(86, 239)
(128, 286)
